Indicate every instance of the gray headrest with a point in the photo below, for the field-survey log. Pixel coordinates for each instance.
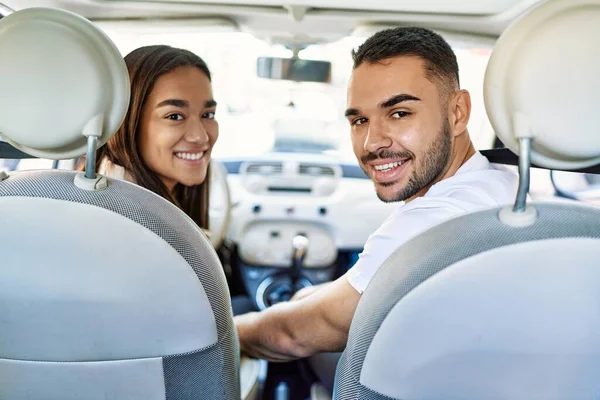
(65, 81)
(542, 82)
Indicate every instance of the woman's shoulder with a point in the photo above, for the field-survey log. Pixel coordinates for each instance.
(112, 170)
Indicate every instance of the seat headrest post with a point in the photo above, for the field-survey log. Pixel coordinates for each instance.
(92, 130)
(90, 159)
(520, 214)
(524, 174)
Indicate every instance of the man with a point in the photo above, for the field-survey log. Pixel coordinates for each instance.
(408, 120)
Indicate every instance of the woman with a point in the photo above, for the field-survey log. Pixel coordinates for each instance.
(166, 139)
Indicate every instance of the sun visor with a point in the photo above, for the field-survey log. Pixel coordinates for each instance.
(543, 80)
(62, 79)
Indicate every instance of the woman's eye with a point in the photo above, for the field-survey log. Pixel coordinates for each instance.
(209, 115)
(400, 114)
(175, 117)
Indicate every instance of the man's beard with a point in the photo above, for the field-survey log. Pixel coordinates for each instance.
(431, 166)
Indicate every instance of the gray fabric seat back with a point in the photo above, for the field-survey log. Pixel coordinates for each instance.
(501, 303)
(109, 294)
(501, 313)
(107, 290)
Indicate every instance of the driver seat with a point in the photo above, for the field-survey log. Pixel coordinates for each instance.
(501, 303)
(107, 289)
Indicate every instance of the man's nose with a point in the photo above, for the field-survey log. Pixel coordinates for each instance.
(377, 137)
(197, 133)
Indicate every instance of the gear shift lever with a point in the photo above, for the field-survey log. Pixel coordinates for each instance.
(283, 285)
(300, 246)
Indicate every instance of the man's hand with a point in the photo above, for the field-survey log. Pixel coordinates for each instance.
(297, 329)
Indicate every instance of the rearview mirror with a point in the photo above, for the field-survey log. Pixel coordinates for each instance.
(293, 69)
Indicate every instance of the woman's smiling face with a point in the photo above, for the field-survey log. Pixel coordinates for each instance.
(178, 128)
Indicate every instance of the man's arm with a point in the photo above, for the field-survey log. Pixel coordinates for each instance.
(306, 291)
(286, 331)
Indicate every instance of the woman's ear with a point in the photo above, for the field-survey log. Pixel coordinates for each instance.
(460, 112)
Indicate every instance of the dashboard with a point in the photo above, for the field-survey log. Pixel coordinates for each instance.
(280, 196)
(291, 190)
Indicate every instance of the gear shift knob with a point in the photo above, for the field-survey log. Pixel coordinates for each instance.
(300, 247)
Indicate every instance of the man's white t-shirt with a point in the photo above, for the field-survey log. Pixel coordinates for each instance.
(476, 185)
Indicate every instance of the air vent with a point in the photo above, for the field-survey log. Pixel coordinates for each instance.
(264, 168)
(316, 170)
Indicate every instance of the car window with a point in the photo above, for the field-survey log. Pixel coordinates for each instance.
(257, 115)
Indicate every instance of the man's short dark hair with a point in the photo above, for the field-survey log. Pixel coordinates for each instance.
(440, 60)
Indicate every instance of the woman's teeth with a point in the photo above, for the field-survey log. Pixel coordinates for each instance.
(189, 156)
(387, 167)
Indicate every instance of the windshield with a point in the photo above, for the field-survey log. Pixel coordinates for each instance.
(258, 115)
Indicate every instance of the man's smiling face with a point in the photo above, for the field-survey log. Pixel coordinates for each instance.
(399, 121)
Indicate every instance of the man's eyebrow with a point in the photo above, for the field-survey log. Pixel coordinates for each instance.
(399, 98)
(210, 104)
(174, 103)
(351, 112)
(391, 102)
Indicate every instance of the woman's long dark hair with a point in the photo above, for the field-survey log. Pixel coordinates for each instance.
(145, 66)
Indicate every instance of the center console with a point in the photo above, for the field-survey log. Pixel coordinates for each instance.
(278, 258)
(297, 220)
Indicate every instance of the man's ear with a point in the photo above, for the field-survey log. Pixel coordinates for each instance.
(460, 112)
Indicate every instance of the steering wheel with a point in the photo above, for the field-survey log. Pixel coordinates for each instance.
(219, 203)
